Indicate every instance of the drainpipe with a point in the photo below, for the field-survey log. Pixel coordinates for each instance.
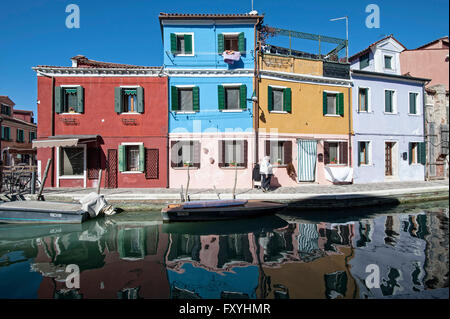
(256, 51)
(425, 132)
(350, 116)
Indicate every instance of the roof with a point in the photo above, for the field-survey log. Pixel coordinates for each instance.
(23, 111)
(80, 61)
(253, 15)
(433, 42)
(357, 55)
(6, 100)
(403, 77)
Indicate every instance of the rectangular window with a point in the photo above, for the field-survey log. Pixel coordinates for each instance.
(333, 150)
(413, 153)
(333, 103)
(6, 133)
(233, 153)
(231, 42)
(277, 153)
(71, 161)
(132, 154)
(278, 99)
(129, 100)
(363, 153)
(389, 101)
(185, 99)
(336, 153)
(363, 99)
(181, 44)
(185, 153)
(232, 98)
(364, 61)
(413, 103)
(20, 136)
(32, 136)
(388, 62)
(6, 110)
(70, 100)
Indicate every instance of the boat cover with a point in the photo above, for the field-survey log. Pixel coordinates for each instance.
(215, 203)
(96, 204)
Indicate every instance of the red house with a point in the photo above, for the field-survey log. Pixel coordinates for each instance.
(97, 115)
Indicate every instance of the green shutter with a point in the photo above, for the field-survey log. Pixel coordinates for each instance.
(388, 101)
(340, 102)
(220, 43)
(359, 153)
(174, 97)
(141, 158)
(269, 98)
(80, 99)
(366, 99)
(118, 99)
(412, 103)
(140, 99)
(243, 96)
(241, 42)
(287, 100)
(188, 43)
(59, 99)
(422, 153)
(196, 98)
(221, 96)
(173, 43)
(325, 106)
(122, 158)
(410, 153)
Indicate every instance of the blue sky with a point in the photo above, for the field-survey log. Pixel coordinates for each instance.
(33, 32)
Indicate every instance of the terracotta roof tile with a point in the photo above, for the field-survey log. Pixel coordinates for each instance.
(163, 15)
(83, 62)
(357, 55)
(6, 100)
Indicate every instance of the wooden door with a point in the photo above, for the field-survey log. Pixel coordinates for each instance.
(388, 158)
(111, 169)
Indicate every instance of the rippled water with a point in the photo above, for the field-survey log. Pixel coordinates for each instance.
(294, 255)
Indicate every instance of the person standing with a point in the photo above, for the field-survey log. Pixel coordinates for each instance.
(265, 169)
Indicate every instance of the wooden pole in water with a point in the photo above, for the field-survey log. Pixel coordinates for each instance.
(99, 181)
(39, 197)
(235, 181)
(187, 186)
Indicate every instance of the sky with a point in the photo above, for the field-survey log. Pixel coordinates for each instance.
(34, 32)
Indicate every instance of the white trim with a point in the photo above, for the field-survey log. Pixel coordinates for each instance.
(69, 86)
(307, 78)
(278, 87)
(176, 72)
(393, 62)
(130, 86)
(187, 86)
(394, 102)
(129, 113)
(369, 150)
(193, 46)
(232, 111)
(230, 85)
(184, 112)
(97, 72)
(331, 92)
(67, 113)
(131, 143)
(209, 21)
(231, 33)
(132, 172)
(369, 100)
(83, 177)
(278, 112)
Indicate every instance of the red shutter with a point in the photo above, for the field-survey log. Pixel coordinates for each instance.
(287, 152)
(174, 154)
(245, 164)
(152, 163)
(326, 153)
(267, 151)
(197, 154)
(93, 162)
(221, 153)
(343, 153)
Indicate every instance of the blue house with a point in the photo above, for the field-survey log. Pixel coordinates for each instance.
(210, 60)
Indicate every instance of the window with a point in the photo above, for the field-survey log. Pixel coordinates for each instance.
(280, 152)
(417, 153)
(363, 153)
(232, 97)
(279, 99)
(20, 136)
(336, 153)
(233, 153)
(185, 153)
(233, 42)
(181, 44)
(364, 61)
(363, 98)
(6, 133)
(389, 101)
(32, 136)
(6, 110)
(131, 158)
(413, 103)
(185, 99)
(71, 161)
(333, 103)
(388, 62)
(129, 99)
(69, 99)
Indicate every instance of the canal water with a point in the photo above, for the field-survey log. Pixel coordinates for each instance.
(368, 253)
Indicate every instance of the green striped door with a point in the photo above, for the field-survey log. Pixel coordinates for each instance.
(307, 158)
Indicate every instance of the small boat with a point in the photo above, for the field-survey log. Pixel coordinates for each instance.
(219, 210)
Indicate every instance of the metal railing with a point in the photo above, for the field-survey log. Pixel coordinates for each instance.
(18, 179)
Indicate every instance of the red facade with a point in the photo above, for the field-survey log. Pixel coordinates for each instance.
(99, 117)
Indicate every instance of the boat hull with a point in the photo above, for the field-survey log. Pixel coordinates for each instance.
(249, 210)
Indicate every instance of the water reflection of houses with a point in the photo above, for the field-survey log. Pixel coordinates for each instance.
(401, 246)
(115, 261)
(296, 261)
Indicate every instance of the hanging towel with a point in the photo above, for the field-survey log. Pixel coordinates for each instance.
(337, 174)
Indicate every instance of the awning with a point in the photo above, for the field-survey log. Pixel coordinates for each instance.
(64, 140)
(12, 150)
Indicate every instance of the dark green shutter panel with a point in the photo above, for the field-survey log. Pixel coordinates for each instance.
(118, 100)
(340, 101)
(59, 99)
(243, 96)
(174, 96)
(241, 42)
(80, 99)
(140, 99)
(196, 98)
(122, 158)
(422, 153)
(388, 101)
(220, 43)
(188, 43)
(325, 106)
(366, 99)
(173, 43)
(141, 158)
(269, 98)
(359, 153)
(221, 96)
(410, 153)
(412, 103)
(287, 100)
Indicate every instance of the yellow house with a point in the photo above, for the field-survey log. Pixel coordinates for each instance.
(304, 119)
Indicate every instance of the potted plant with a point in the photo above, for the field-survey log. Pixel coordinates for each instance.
(279, 161)
(333, 160)
(187, 164)
(233, 164)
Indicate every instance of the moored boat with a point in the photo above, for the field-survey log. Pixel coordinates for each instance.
(219, 210)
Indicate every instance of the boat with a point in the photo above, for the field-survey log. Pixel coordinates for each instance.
(49, 212)
(219, 210)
